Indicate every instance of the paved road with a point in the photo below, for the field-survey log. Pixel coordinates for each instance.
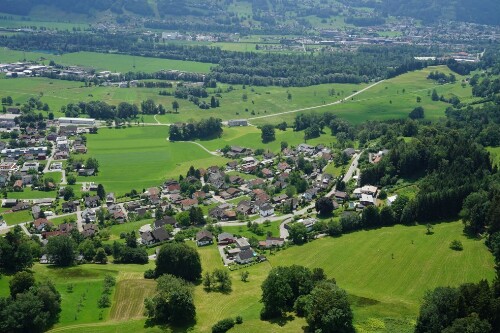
(319, 106)
(79, 220)
(49, 161)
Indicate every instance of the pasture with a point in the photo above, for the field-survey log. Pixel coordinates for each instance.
(385, 293)
(107, 61)
(141, 157)
(393, 98)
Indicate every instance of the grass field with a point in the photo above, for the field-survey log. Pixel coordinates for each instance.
(383, 101)
(110, 62)
(385, 293)
(495, 155)
(18, 217)
(243, 231)
(28, 193)
(140, 157)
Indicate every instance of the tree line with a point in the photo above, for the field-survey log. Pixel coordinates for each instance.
(203, 129)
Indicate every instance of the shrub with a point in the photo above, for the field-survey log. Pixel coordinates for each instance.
(223, 325)
(149, 274)
(104, 301)
(456, 245)
(239, 320)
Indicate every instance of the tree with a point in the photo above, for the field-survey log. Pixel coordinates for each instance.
(172, 303)
(87, 249)
(183, 219)
(370, 218)
(284, 145)
(334, 228)
(175, 106)
(34, 310)
(474, 212)
(282, 287)
(268, 133)
(68, 193)
(180, 260)
(244, 276)
(434, 96)
(71, 180)
(328, 309)
(417, 113)
(92, 163)
(387, 216)
(100, 256)
(223, 280)
(21, 282)
(16, 251)
(470, 324)
(101, 193)
(61, 249)
(439, 309)
(298, 233)
(324, 206)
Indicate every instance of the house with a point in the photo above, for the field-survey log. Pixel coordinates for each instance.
(271, 242)
(391, 199)
(242, 243)
(199, 195)
(173, 188)
(119, 216)
(232, 165)
(86, 172)
(341, 196)
(164, 221)
(309, 223)
(267, 173)
(89, 216)
(280, 198)
(110, 198)
(9, 203)
(69, 207)
(89, 230)
(204, 237)
(225, 238)
(160, 235)
(349, 152)
(245, 207)
(147, 238)
(266, 210)
(21, 205)
(45, 259)
(245, 256)
(186, 204)
(367, 200)
(40, 224)
(305, 148)
(35, 211)
(237, 122)
(92, 201)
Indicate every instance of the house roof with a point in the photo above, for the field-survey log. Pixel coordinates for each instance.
(246, 254)
(204, 234)
(160, 234)
(225, 235)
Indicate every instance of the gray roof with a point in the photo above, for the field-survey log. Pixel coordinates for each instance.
(246, 254)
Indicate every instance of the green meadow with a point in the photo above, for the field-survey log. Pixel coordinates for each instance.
(385, 293)
(140, 157)
(391, 99)
(107, 61)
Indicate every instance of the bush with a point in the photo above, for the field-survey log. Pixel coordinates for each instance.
(456, 245)
(239, 320)
(223, 325)
(149, 274)
(104, 301)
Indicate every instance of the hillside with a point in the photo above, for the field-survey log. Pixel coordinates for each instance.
(482, 12)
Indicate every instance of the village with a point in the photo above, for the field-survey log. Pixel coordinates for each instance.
(255, 187)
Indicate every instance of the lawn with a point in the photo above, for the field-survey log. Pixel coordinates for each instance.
(140, 157)
(18, 217)
(111, 62)
(117, 229)
(273, 227)
(385, 293)
(63, 219)
(28, 193)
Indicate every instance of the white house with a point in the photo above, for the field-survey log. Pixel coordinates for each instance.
(266, 210)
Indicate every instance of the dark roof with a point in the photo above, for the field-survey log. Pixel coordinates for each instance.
(160, 234)
(246, 254)
(164, 221)
(147, 236)
(225, 235)
(204, 233)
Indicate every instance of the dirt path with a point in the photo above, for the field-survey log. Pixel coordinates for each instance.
(319, 106)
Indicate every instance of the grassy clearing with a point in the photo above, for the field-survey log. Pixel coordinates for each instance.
(495, 155)
(63, 219)
(116, 230)
(274, 228)
(110, 62)
(140, 157)
(129, 298)
(28, 193)
(18, 217)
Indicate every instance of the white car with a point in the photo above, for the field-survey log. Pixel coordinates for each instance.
(48, 213)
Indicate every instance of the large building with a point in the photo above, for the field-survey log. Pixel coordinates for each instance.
(237, 122)
(77, 121)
